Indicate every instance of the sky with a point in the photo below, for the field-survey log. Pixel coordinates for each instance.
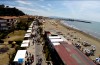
(77, 9)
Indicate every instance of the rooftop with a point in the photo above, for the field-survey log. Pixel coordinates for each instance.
(71, 55)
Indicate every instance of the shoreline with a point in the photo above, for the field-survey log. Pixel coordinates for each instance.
(87, 32)
(73, 35)
(82, 32)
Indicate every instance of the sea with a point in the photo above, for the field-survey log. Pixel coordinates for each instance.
(92, 28)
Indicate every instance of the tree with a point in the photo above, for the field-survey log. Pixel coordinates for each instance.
(2, 6)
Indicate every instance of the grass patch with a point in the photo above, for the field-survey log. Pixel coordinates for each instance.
(15, 36)
(17, 32)
(18, 36)
(4, 57)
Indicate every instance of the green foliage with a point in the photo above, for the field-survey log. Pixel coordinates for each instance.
(1, 41)
(18, 42)
(10, 42)
(2, 6)
(3, 34)
(12, 58)
(41, 30)
(22, 26)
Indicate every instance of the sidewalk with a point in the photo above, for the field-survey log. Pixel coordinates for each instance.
(36, 49)
(30, 50)
(39, 54)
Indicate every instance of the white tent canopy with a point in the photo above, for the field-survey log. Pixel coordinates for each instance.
(25, 41)
(54, 37)
(55, 43)
(63, 38)
(56, 40)
(24, 45)
(31, 25)
(27, 35)
(30, 28)
(29, 31)
(20, 54)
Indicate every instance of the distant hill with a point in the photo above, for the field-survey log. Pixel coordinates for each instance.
(7, 11)
(69, 19)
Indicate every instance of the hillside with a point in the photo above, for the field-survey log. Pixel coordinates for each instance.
(7, 11)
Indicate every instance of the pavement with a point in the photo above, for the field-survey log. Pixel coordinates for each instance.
(31, 50)
(36, 49)
(39, 56)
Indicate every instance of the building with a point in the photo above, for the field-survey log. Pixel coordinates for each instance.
(8, 23)
(64, 53)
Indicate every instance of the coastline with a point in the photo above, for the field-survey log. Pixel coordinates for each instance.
(72, 35)
(84, 33)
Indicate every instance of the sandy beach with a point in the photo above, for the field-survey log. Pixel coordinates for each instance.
(73, 35)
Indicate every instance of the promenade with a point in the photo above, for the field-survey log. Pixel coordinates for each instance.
(35, 48)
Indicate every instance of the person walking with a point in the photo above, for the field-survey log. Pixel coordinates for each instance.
(27, 53)
(26, 63)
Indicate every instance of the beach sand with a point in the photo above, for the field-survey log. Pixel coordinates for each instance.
(70, 33)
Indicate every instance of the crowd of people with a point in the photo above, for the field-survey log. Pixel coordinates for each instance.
(29, 58)
(85, 49)
(39, 61)
(36, 40)
(97, 60)
(88, 50)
